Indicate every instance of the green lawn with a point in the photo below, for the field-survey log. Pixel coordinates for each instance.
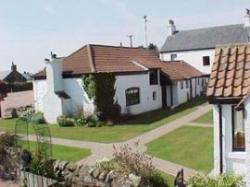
(168, 178)
(188, 146)
(205, 119)
(120, 132)
(60, 152)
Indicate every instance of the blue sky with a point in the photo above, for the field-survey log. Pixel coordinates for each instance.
(30, 29)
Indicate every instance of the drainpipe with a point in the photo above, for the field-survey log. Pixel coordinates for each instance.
(220, 139)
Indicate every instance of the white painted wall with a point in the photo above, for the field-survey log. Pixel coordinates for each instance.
(237, 162)
(181, 95)
(40, 89)
(247, 126)
(193, 58)
(80, 101)
(141, 81)
(52, 106)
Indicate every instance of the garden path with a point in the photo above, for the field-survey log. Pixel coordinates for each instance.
(101, 150)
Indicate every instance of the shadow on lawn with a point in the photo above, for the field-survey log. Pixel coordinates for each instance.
(156, 115)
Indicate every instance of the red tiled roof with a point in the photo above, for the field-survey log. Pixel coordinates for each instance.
(99, 58)
(2, 82)
(179, 70)
(230, 76)
(40, 75)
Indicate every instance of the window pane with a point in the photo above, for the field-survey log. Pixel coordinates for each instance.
(153, 77)
(206, 61)
(238, 131)
(132, 96)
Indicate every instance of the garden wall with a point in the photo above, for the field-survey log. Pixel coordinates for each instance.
(81, 175)
(16, 100)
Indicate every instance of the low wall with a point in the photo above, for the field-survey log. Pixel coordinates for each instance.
(73, 175)
(16, 100)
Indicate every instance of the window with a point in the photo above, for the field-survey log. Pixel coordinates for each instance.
(186, 83)
(181, 82)
(206, 61)
(198, 81)
(154, 95)
(132, 96)
(238, 130)
(153, 77)
(173, 57)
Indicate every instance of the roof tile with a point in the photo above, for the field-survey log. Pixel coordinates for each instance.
(236, 67)
(100, 58)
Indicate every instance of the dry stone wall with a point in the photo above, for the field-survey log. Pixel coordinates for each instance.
(92, 176)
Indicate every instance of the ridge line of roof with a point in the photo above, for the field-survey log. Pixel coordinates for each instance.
(232, 45)
(116, 46)
(91, 59)
(211, 27)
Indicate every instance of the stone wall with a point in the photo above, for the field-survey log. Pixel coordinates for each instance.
(92, 176)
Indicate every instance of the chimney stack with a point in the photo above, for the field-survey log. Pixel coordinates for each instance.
(13, 67)
(247, 18)
(54, 73)
(171, 28)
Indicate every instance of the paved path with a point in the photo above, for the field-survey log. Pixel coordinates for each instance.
(101, 150)
(200, 125)
(8, 183)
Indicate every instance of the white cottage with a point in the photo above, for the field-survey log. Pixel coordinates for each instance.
(143, 82)
(229, 92)
(197, 46)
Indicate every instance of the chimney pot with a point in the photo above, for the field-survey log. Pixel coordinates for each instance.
(13, 67)
(247, 18)
(171, 28)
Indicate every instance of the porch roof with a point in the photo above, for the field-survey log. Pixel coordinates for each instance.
(230, 76)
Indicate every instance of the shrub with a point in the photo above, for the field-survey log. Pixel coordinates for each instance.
(65, 121)
(14, 113)
(41, 166)
(26, 112)
(9, 161)
(224, 180)
(81, 121)
(101, 88)
(37, 118)
(115, 113)
(92, 121)
(126, 161)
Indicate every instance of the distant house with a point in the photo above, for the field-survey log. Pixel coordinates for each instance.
(3, 91)
(143, 82)
(197, 46)
(12, 76)
(229, 92)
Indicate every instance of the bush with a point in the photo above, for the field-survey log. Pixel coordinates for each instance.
(9, 161)
(41, 166)
(224, 180)
(14, 113)
(26, 112)
(115, 113)
(92, 121)
(37, 118)
(65, 121)
(126, 161)
(81, 121)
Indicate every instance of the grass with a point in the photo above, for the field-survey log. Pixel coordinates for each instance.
(60, 152)
(189, 146)
(205, 119)
(168, 178)
(120, 132)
